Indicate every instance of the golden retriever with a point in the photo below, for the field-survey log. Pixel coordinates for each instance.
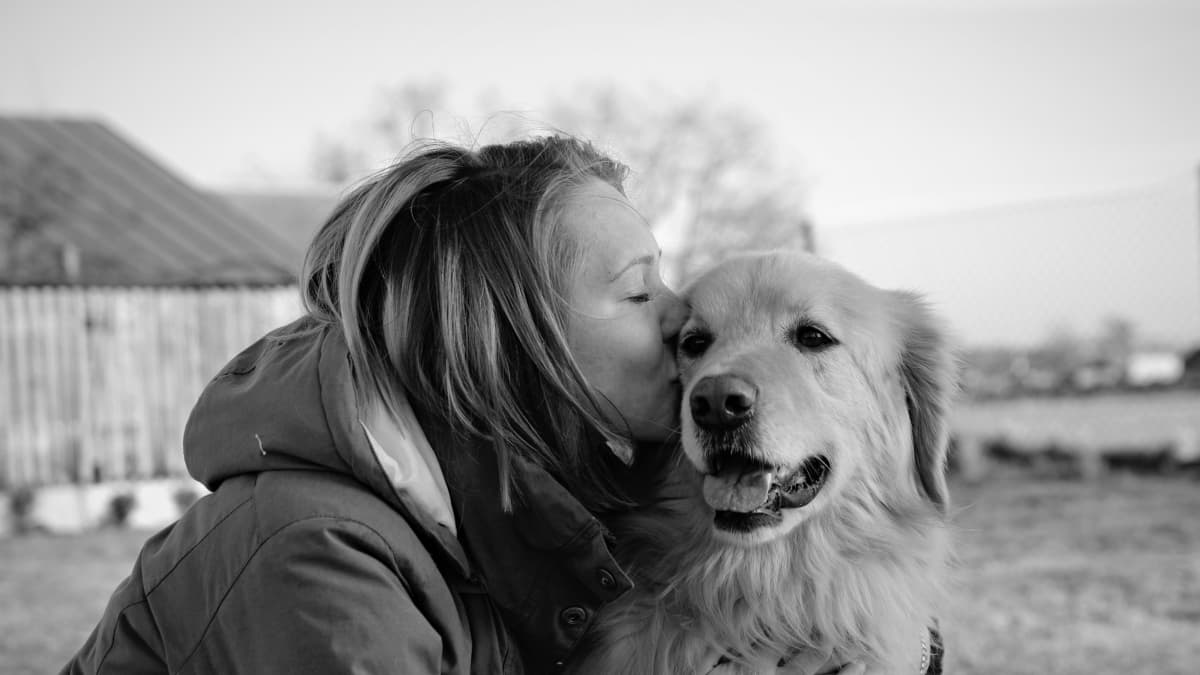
(808, 522)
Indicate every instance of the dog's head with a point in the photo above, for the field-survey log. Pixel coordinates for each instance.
(806, 388)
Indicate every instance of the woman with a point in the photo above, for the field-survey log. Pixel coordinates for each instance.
(407, 479)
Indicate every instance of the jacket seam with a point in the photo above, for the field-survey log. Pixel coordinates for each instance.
(590, 529)
(112, 638)
(147, 591)
(253, 555)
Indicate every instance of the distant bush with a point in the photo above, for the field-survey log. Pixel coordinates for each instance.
(184, 496)
(120, 506)
(21, 504)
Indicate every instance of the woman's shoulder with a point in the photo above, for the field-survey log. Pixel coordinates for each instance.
(274, 515)
(289, 502)
(262, 553)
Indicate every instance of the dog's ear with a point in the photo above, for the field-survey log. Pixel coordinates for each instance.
(929, 371)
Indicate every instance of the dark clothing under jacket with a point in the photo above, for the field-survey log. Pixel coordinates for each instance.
(306, 558)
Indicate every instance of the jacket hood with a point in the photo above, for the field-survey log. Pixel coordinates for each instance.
(287, 402)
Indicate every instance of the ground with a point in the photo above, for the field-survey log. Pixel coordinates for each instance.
(52, 591)
(1058, 577)
(1077, 577)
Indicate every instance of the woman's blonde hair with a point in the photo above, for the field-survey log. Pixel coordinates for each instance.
(448, 274)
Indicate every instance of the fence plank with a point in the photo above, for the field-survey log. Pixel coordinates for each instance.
(51, 395)
(140, 324)
(37, 405)
(83, 422)
(112, 458)
(8, 388)
(23, 448)
(90, 382)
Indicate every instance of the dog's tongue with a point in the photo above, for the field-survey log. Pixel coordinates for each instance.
(737, 490)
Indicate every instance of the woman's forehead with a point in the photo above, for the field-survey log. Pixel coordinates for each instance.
(610, 230)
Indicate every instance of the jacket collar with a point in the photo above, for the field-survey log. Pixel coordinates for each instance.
(544, 516)
(344, 414)
(541, 563)
(400, 447)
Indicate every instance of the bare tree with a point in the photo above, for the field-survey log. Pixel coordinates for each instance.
(335, 162)
(1117, 339)
(399, 115)
(707, 175)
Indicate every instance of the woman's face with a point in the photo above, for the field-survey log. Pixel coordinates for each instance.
(623, 318)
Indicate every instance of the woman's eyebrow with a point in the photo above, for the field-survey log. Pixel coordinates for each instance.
(647, 259)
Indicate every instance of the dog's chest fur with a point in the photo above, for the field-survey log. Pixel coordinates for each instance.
(858, 582)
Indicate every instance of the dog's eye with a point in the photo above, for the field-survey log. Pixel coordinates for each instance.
(694, 344)
(811, 337)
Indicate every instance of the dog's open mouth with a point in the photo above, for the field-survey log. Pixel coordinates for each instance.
(748, 494)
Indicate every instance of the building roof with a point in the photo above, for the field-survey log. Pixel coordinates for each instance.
(120, 216)
(293, 216)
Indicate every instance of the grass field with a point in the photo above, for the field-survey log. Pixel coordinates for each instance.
(1055, 577)
(1077, 577)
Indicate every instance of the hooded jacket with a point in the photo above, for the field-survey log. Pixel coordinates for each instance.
(327, 545)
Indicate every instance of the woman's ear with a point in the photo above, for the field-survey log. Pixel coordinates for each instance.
(930, 372)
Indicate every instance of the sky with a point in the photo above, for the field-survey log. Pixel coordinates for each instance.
(980, 151)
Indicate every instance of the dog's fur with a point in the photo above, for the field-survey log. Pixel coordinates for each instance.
(854, 575)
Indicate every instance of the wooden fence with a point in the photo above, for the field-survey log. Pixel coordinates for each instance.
(96, 383)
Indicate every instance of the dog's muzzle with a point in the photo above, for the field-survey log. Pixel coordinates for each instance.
(745, 492)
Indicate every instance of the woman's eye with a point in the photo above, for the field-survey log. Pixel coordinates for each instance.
(811, 337)
(694, 344)
(640, 298)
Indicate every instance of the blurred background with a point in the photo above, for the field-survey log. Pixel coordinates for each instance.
(1032, 167)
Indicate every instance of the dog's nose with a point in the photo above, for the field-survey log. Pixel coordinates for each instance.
(722, 402)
